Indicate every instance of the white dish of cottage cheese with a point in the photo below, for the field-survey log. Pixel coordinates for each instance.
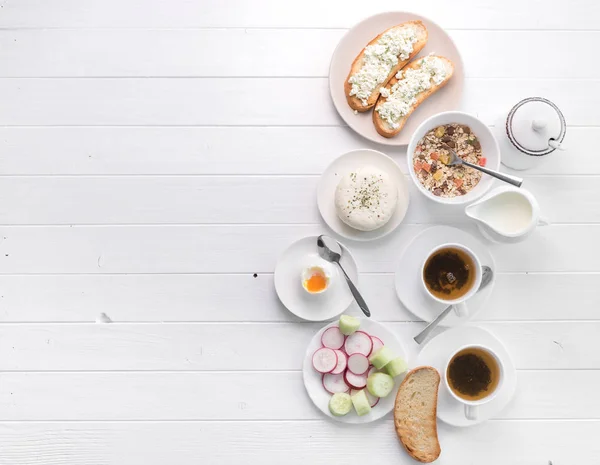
(363, 195)
(357, 38)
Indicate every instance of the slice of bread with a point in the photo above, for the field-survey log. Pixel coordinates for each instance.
(382, 125)
(415, 414)
(356, 103)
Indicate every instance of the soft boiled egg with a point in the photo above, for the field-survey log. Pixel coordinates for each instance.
(317, 277)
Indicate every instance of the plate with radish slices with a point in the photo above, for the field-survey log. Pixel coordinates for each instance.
(353, 368)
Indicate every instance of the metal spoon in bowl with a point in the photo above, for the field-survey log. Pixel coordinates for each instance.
(455, 160)
(486, 278)
(330, 250)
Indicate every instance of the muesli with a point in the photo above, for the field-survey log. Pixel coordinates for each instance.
(431, 156)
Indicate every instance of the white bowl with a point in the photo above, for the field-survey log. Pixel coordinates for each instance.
(489, 149)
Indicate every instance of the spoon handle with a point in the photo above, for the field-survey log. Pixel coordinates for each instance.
(419, 338)
(514, 180)
(359, 300)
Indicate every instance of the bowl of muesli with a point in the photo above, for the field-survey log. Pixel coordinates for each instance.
(428, 155)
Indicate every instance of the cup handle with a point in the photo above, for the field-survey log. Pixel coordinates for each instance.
(461, 309)
(471, 412)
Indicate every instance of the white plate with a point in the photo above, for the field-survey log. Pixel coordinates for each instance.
(343, 165)
(313, 379)
(447, 98)
(288, 282)
(408, 274)
(436, 353)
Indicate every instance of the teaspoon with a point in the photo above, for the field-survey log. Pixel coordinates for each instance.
(330, 250)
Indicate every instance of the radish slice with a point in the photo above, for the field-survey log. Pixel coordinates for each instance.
(371, 371)
(359, 343)
(334, 383)
(355, 381)
(324, 360)
(333, 338)
(373, 401)
(341, 364)
(358, 364)
(377, 344)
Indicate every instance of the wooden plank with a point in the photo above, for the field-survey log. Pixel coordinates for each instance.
(268, 101)
(247, 346)
(273, 443)
(205, 297)
(199, 52)
(242, 396)
(489, 14)
(234, 150)
(224, 249)
(204, 200)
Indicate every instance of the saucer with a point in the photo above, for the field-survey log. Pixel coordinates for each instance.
(345, 164)
(436, 353)
(408, 280)
(288, 285)
(313, 379)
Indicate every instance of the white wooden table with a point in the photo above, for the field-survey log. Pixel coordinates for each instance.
(157, 155)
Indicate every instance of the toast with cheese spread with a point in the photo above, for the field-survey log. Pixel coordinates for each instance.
(380, 60)
(407, 90)
(415, 414)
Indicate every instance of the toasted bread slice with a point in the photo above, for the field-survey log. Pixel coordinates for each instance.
(382, 125)
(415, 414)
(356, 103)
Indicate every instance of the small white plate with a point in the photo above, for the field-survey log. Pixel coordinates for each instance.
(408, 274)
(439, 42)
(313, 379)
(332, 176)
(436, 353)
(288, 282)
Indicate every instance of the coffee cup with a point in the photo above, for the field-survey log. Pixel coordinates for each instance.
(473, 376)
(451, 274)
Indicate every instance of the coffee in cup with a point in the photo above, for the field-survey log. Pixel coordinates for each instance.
(473, 373)
(473, 377)
(451, 274)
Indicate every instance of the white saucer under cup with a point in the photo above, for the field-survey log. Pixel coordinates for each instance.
(439, 42)
(313, 379)
(408, 280)
(343, 165)
(288, 283)
(436, 353)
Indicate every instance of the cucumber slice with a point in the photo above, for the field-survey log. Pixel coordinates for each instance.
(396, 367)
(348, 324)
(340, 404)
(361, 403)
(381, 358)
(380, 384)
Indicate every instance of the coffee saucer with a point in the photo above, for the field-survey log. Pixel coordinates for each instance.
(436, 353)
(408, 274)
(293, 261)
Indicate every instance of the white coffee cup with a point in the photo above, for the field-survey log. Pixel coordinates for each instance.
(460, 305)
(472, 406)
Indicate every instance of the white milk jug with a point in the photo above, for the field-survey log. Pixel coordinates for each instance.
(507, 214)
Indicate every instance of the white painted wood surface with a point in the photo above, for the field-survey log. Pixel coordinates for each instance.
(155, 155)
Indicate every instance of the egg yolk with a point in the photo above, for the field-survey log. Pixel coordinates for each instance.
(316, 283)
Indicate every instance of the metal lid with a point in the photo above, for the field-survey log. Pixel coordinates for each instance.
(535, 126)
